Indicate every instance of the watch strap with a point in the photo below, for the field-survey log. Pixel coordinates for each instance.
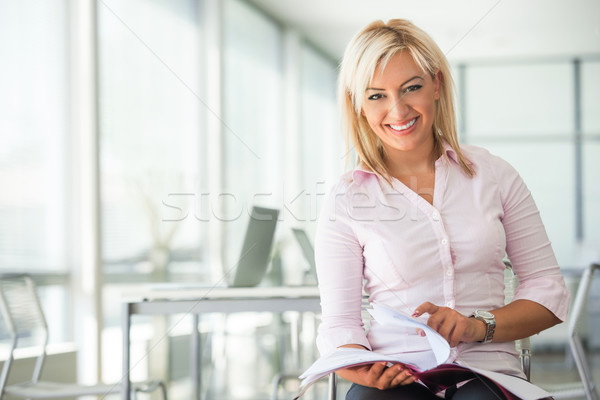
(490, 322)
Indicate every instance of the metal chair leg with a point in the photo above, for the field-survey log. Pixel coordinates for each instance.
(332, 386)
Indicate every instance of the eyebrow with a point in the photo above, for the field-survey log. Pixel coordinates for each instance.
(414, 77)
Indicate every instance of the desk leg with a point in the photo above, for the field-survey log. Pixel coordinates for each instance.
(126, 326)
(195, 358)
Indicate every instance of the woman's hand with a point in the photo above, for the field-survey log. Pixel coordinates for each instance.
(452, 325)
(377, 375)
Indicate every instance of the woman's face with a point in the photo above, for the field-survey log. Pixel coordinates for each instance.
(399, 105)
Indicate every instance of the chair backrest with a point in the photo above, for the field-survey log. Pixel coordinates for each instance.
(23, 322)
(523, 346)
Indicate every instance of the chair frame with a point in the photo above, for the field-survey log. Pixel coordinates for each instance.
(575, 343)
(58, 390)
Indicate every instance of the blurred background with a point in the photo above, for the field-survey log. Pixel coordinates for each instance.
(135, 136)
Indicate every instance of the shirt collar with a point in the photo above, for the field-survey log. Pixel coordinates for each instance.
(451, 154)
(361, 172)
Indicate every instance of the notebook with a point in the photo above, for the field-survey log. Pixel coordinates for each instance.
(253, 260)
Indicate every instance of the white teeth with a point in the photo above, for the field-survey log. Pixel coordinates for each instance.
(403, 127)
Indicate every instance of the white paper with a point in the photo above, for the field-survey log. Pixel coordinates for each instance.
(387, 316)
(344, 357)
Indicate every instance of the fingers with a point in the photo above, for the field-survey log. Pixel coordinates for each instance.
(383, 377)
(426, 307)
(449, 323)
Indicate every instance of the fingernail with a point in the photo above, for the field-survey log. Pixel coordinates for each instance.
(415, 314)
(422, 333)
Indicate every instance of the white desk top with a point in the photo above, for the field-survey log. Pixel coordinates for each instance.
(183, 291)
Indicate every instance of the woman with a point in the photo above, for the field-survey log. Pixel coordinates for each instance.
(423, 225)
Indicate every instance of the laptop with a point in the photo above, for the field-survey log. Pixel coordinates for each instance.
(253, 261)
(256, 250)
(307, 251)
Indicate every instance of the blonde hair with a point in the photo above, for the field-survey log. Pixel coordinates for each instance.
(374, 46)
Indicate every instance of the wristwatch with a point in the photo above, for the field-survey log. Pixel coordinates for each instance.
(490, 322)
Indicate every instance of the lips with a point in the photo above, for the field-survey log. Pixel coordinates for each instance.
(403, 127)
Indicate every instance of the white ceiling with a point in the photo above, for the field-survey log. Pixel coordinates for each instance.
(464, 29)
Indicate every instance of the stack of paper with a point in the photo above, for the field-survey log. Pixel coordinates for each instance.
(427, 368)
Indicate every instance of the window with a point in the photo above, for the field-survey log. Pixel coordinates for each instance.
(252, 121)
(150, 136)
(33, 121)
(322, 153)
(34, 159)
(527, 113)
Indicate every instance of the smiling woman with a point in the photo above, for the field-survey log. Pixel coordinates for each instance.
(401, 115)
(442, 261)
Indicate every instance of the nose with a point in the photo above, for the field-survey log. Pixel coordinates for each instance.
(398, 108)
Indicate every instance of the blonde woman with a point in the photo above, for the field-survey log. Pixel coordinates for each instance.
(422, 225)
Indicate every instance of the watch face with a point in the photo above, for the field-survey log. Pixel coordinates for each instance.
(484, 314)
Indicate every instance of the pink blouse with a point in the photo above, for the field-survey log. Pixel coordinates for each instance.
(403, 251)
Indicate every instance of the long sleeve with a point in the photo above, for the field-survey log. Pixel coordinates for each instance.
(528, 246)
(339, 261)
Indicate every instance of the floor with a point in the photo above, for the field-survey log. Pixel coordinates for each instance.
(553, 369)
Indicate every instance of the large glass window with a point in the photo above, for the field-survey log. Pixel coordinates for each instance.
(590, 98)
(322, 153)
(34, 139)
(252, 121)
(590, 125)
(34, 199)
(150, 114)
(520, 100)
(526, 112)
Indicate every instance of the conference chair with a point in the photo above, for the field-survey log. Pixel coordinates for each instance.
(586, 386)
(25, 325)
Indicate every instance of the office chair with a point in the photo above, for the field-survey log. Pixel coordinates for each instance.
(586, 387)
(25, 324)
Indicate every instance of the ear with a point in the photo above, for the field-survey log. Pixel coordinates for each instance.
(437, 82)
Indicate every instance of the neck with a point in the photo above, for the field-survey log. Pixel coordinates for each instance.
(419, 161)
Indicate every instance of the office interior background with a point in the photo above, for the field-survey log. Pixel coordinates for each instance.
(135, 135)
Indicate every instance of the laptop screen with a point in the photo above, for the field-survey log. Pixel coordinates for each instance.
(256, 250)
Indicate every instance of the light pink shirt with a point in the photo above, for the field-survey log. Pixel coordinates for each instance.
(451, 254)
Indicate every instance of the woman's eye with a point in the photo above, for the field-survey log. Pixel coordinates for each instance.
(375, 96)
(413, 88)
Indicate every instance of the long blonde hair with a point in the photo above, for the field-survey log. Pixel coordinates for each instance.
(373, 46)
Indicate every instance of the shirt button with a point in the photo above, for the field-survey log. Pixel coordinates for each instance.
(435, 216)
(449, 272)
(450, 304)
(444, 241)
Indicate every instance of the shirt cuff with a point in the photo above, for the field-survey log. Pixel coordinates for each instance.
(329, 341)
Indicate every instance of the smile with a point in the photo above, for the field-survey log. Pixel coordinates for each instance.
(403, 127)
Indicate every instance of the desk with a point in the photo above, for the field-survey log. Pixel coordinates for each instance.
(197, 301)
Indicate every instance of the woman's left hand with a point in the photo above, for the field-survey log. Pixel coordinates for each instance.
(452, 325)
